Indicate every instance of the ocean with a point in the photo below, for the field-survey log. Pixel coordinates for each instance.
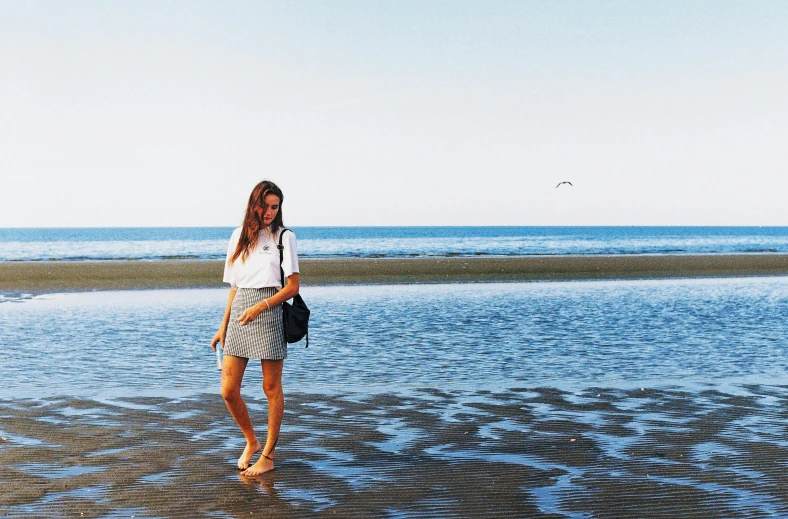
(210, 243)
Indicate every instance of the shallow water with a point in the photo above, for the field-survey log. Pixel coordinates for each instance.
(385, 338)
(556, 399)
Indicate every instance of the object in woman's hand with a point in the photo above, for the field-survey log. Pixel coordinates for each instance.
(218, 356)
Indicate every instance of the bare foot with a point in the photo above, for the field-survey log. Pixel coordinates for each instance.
(263, 465)
(246, 457)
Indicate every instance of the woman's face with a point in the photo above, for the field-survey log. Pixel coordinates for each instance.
(268, 213)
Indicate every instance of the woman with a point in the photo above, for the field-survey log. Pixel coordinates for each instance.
(252, 326)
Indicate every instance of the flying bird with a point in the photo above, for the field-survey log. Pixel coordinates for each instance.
(565, 182)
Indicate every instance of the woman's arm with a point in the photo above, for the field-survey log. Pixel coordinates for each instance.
(219, 337)
(292, 285)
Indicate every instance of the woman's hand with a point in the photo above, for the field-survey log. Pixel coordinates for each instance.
(219, 337)
(222, 333)
(250, 314)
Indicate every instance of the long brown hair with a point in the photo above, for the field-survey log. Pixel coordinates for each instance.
(252, 224)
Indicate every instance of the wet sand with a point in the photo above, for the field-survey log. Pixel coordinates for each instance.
(530, 452)
(112, 275)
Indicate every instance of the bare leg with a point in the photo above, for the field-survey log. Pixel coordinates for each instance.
(272, 386)
(232, 376)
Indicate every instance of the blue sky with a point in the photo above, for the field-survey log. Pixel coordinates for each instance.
(394, 113)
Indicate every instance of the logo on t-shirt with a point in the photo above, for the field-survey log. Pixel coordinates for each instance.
(266, 249)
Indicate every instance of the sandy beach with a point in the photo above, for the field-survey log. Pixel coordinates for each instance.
(516, 453)
(48, 276)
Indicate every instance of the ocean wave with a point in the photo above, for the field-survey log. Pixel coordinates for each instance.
(373, 242)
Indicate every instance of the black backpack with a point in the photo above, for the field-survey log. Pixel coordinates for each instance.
(296, 316)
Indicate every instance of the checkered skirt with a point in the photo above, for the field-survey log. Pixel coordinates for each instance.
(263, 338)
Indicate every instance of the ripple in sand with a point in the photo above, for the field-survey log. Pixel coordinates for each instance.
(313, 499)
(108, 452)
(126, 513)
(400, 434)
(350, 472)
(46, 470)
(95, 493)
(159, 477)
(18, 439)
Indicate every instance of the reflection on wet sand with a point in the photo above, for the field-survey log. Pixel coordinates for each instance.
(518, 452)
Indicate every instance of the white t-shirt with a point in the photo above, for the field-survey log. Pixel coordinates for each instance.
(260, 269)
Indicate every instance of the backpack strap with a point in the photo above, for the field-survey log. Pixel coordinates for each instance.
(282, 255)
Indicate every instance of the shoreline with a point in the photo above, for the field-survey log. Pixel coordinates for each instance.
(530, 452)
(53, 276)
